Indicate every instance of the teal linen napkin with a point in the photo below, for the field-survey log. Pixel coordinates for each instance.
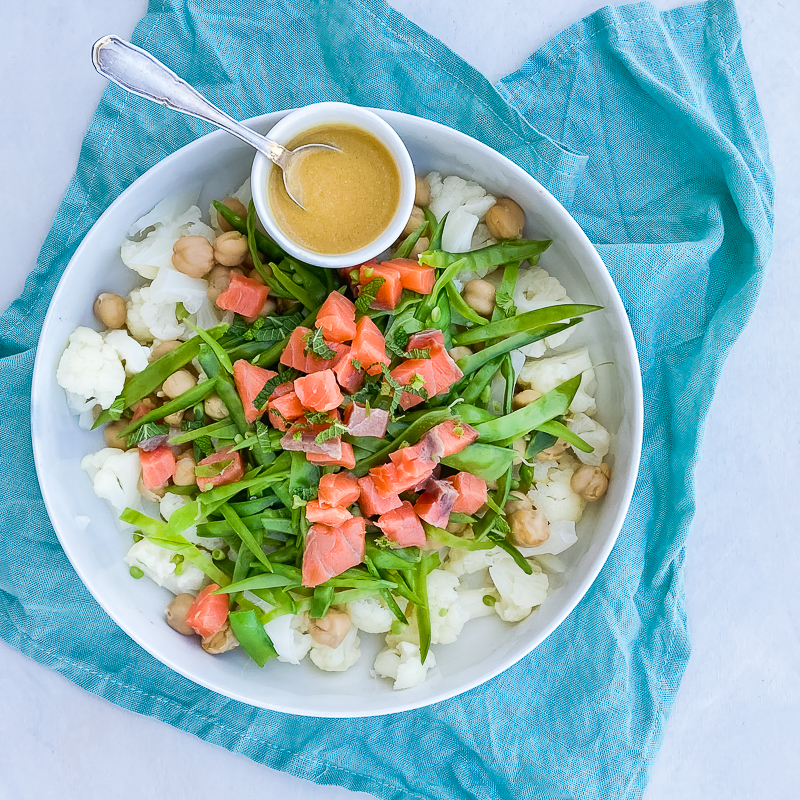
(665, 164)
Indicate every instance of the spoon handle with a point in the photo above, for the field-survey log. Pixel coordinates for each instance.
(141, 73)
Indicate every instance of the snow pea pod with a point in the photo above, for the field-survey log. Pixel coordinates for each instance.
(487, 257)
(183, 401)
(507, 371)
(248, 507)
(473, 415)
(522, 323)
(561, 431)
(244, 533)
(484, 526)
(263, 242)
(225, 388)
(403, 558)
(391, 603)
(441, 318)
(250, 634)
(484, 460)
(252, 244)
(427, 564)
(425, 308)
(267, 580)
(220, 430)
(404, 251)
(321, 601)
(219, 350)
(458, 304)
(437, 228)
(442, 537)
(470, 388)
(294, 289)
(498, 540)
(518, 423)
(153, 375)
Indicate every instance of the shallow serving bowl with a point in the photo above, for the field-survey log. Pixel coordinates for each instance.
(217, 164)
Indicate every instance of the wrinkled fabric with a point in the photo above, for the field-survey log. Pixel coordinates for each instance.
(649, 130)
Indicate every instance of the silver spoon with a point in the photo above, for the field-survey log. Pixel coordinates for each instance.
(141, 73)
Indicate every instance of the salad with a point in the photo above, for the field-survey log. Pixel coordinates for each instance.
(303, 456)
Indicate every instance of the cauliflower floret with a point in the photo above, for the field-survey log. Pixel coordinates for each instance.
(562, 536)
(454, 192)
(155, 562)
(447, 616)
(291, 645)
(458, 230)
(148, 320)
(465, 562)
(162, 227)
(481, 237)
(90, 368)
(370, 615)
(83, 409)
(555, 498)
(403, 665)
(537, 289)
(337, 659)
(115, 476)
(471, 601)
(519, 593)
(169, 504)
(133, 355)
(548, 373)
(594, 434)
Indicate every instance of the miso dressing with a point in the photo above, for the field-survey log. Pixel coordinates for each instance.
(349, 197)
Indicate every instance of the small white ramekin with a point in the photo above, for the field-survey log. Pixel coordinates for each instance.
(314, 116)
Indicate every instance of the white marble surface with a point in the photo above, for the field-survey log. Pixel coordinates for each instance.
(734, 731)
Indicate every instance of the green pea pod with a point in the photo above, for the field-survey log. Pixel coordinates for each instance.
(428, 303)
(422, 609)
(225, 388)
(484, 460)
(539, 441)
(220, 430)
(438, 230)
(264, 244)
(561, 431)
(459, 304)
(442, 537)
(316, 288)
(153, 375)
(490, 519)
(403, 558)
(488, 257)
(498, 540)
(267, 580)
(472, 415)
(303, 477)
(471, 387)
(470, 364)
(431, 219)
(248, 507)
(250, 634)
(295, 289)
(369, 444)
(412, 434)
(391, 603)
(180, 403)
(507, 371)
(219, 350)
(404, 251)
(244, 533)
(441, 319)
(321, 601)
(510, 427)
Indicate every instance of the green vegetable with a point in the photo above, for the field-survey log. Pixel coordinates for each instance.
(425, 308)
(437, 228)
(145, 432)
(404, 251)
(243, 532)
(484, 460)
(315, 344)
(368, 294)
(223, 429)
(561, 431)
(265, 581)
(427, 563)
(503, 543)
(442, 537)
(487, 257)
(219, 351)
(458, 303)
(321, 601)
(250, 634)
(135, 572)
(403, 558)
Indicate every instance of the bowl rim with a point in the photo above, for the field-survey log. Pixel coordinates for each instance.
(634, 414)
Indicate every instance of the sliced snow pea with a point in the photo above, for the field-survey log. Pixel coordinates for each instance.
(538, 442)
(470, 364)
(458, 304)
(504, 296)
(219, 350)
(321, 601)
(153, 375)
(403, 558)
(248, 507)
(370, 444)
(561, 431)
(292, 287)
(472, 415)
(244, 533)
(498, 540)
(404, 251)
(183, 401)
(427, 564)
(472, 385)
(507, 371)
(441, 319)
(385, 593)
(523, 323)
(267, 580)
(492, 517)
(219, 430)
(437, 229)
(510, 427)
(487, 257)
(275, 288)
(310, 275)
(442, 537)
(427, 305)
(263, 242)
(250, 634)
(225, 388)
(412, 434)
(484, 460)
(303, 477)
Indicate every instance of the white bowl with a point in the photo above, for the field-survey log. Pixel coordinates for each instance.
(301, 120)
(487, 646)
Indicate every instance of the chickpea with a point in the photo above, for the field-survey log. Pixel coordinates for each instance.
(414, 221)
(554, 452)
(480, 297)
(254, 275)
(162, 348)
(505, 219)
(286, 305)
(174, 419)
(457, 528)
(176, 612)
(517, 501)
(153, 495)
(193, 256)
(220, 642)
(235, 205)
(422, 192)
(184, 471)
(462, 351)
(331, 629)
(529, 527)
(422, 244)
(110, 434)
(178, 383)
(230, 249)
(111, 310)
(591, 483)
(215, 408)
(525, 398)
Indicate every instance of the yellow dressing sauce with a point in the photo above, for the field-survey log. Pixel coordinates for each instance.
(349, 197)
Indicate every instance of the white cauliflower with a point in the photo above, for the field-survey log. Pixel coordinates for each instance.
(452, 192)
(519, 593)
(403, 665)
(554, 496)
(594, 434)
(169, 504)
(133, 355)
(481, 237)
(370, 615)
(289, 642)
(90, 368)
(148, 320)
(115, 476)
(537, 289)
(447, 615)
(83, 409)
(150, 248)
(547, 373)
(458, 229)
(465, 562)
(471, 601)
(562, 536)
(337, 659)
(155, 562)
